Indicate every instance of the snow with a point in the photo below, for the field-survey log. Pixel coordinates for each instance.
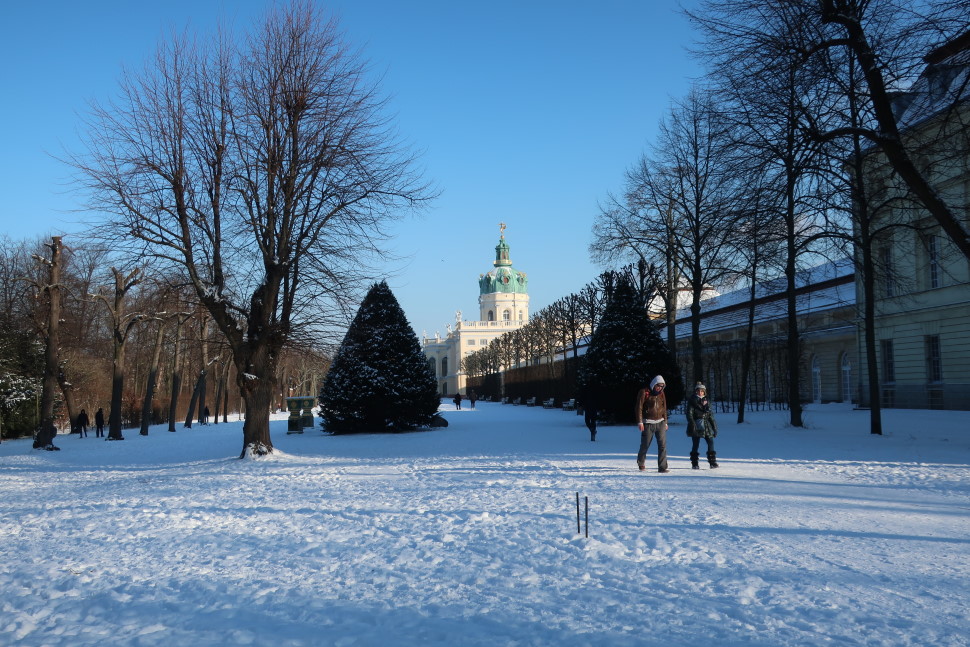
(467, 535)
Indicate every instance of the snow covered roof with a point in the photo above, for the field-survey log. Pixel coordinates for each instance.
(944, 82)
(823, 287)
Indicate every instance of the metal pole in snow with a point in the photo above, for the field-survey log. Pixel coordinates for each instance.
(577, 514)
(587, 517)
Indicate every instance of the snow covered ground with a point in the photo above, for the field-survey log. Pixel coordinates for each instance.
(467, 536)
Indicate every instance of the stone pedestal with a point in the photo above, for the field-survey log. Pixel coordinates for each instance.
(294, 424)
(308, 403)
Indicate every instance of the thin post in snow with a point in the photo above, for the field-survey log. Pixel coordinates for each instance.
(587, 517)
(577, 514)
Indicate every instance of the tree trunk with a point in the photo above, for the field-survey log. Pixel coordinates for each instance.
(195, 399)
(220, 385)
(67, 390)
(869, 325)
(146, 408)
(697, 351)
(257, 386)
(117, 391)
(46, 429)
(205, 366)
(748, 338)
(793, 350)
(176, 375)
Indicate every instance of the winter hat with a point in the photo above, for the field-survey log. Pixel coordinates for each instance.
(657, 380)
(699, 386)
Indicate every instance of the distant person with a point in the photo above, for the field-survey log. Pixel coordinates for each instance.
(457, 401)
(99, 423)
(651, 412)
(82, 424)
(205, 416)
(472, 396)
(45, 439)
(590, 411)
(701, 424)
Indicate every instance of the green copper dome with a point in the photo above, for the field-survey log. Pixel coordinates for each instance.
(504, 278)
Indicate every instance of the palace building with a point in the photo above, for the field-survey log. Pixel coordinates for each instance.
(503, 305)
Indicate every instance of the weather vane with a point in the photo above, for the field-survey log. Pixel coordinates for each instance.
(501, 229)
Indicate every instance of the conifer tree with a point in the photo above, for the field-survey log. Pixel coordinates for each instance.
(380, 380)
(624, 354)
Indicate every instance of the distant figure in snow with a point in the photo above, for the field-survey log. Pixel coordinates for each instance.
(457, 401)
(701, 424)
(205, 416)
(99, 423)
(472, 396)
(82, 424)
(589, 414)
(651, 411)
(45, 439)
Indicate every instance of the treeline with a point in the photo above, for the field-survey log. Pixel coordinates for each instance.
(131, 342)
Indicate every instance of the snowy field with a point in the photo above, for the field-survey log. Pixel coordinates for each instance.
(467, 536)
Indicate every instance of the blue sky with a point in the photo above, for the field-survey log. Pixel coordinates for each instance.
(526, 112)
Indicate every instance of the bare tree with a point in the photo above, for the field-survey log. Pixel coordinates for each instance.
(678, 207)
(122, 323)
(263, 169)
(51, 289)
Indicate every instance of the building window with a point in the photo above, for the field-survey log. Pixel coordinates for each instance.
(846, 378)
(933, 260)
(888, 362)
(432, 365)
(471, 342)
(506, 315)
(934, 359)
(491, 316)
(521, 316)
(889, 272)
(444, 366)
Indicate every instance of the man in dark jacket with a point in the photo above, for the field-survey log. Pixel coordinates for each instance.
(651, 414)
(82, 424)
(99, 423)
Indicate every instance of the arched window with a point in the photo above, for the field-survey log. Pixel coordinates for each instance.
(431, 364)
(816, 380)
(521, 316)
(506, 315)
(444, 366)
(846, 378)
(491, 316)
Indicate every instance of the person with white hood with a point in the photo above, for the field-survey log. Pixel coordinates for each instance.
(651, 414)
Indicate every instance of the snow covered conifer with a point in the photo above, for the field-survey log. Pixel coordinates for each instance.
(380, 380)
(624, 354)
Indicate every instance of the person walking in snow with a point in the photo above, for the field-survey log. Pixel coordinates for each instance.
(651, 412)
(82, 424)
(701, 424)
(590, 411)
(472, 396)
(457, 401)
(99, 423)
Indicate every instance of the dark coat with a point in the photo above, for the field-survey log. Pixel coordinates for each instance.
(700, 418)
(99, 418)
(82, 419)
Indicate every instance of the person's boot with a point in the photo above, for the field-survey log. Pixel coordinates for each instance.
(712, 459)
(694, 465)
